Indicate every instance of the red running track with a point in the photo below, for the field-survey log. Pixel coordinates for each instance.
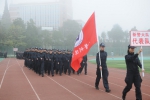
(20, 83)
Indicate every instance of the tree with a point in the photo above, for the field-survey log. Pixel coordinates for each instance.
(33, 38)
(103, 35)
(69, 32)
(126, 36)
(46, 38)
(6, 22)
(15, 35)
(116, 33)
(134, 29)
(2, 35)
(19, 22)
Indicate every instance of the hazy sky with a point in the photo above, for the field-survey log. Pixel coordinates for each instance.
(126, 13)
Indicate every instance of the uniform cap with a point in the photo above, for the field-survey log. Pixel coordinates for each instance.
(102, 45)
(129, 46)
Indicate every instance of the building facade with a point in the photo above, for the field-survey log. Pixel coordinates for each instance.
(5, 20)
(51, 14)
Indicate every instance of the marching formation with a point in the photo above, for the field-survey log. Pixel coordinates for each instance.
(19, 55)
(59, 61)
(51, 61)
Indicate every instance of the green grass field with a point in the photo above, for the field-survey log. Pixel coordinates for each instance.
(120, 63)
(1, 59)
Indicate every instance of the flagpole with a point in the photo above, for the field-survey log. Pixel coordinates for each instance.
(98, 50)
(142, 62)
(99, 54)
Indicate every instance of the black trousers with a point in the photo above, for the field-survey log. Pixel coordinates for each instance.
(36, 66)
(105, 78)
(59, 68)
(39, 67)
(83, 65)
(50, 67)
(42, 67)
(25, 62)
(67, 67)
(46, 65)
(136, 79)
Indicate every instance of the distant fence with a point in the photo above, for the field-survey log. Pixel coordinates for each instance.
(118, 51)
(7, 49)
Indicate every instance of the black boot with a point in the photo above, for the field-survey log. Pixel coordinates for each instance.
(108, 90)
(123, 97)
(96, 87)
(42, 75)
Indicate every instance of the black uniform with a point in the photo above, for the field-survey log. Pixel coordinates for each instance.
(83, 65)
(58, 59)
(51, 64)
(36, 61)
(42, 59)
(25, 58)
(133, 75)
(46, 62)
(67, 63)
(103, 56)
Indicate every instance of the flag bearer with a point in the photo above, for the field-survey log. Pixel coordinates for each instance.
(133, 75)
(102, 66)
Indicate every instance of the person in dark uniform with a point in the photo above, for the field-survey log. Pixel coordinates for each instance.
(133, 75)
(67, 62)
(70, 58)
(83, 65)
(101, 65)
(36, 60)
(59, 63)
(46, 65)
(55, 60)
(51, 63)
(64, 56)
(42, 59)
(25, 57)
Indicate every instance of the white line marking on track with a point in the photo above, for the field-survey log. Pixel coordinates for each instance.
(64, 88)
(4, 74)
(119, 85)
(123, 80)
(124, 71)
(29, 82)
(93, 87)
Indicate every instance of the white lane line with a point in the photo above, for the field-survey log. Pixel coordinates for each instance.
(93, 87)
(29, 82)
(123, 71)
(123, 79)
(64, 88)
(119, 85)
(4, 74)
(117, 70)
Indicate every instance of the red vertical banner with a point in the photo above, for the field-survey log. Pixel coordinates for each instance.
(140, 38)
(86, 39)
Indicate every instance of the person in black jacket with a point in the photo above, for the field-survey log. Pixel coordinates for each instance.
(42, 59)
(101, 65)
(67, 62)
(83, 65)
(133, 75)
(59, 63)
(51, 63)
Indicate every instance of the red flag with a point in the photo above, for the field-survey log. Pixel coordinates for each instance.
(86, 39)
